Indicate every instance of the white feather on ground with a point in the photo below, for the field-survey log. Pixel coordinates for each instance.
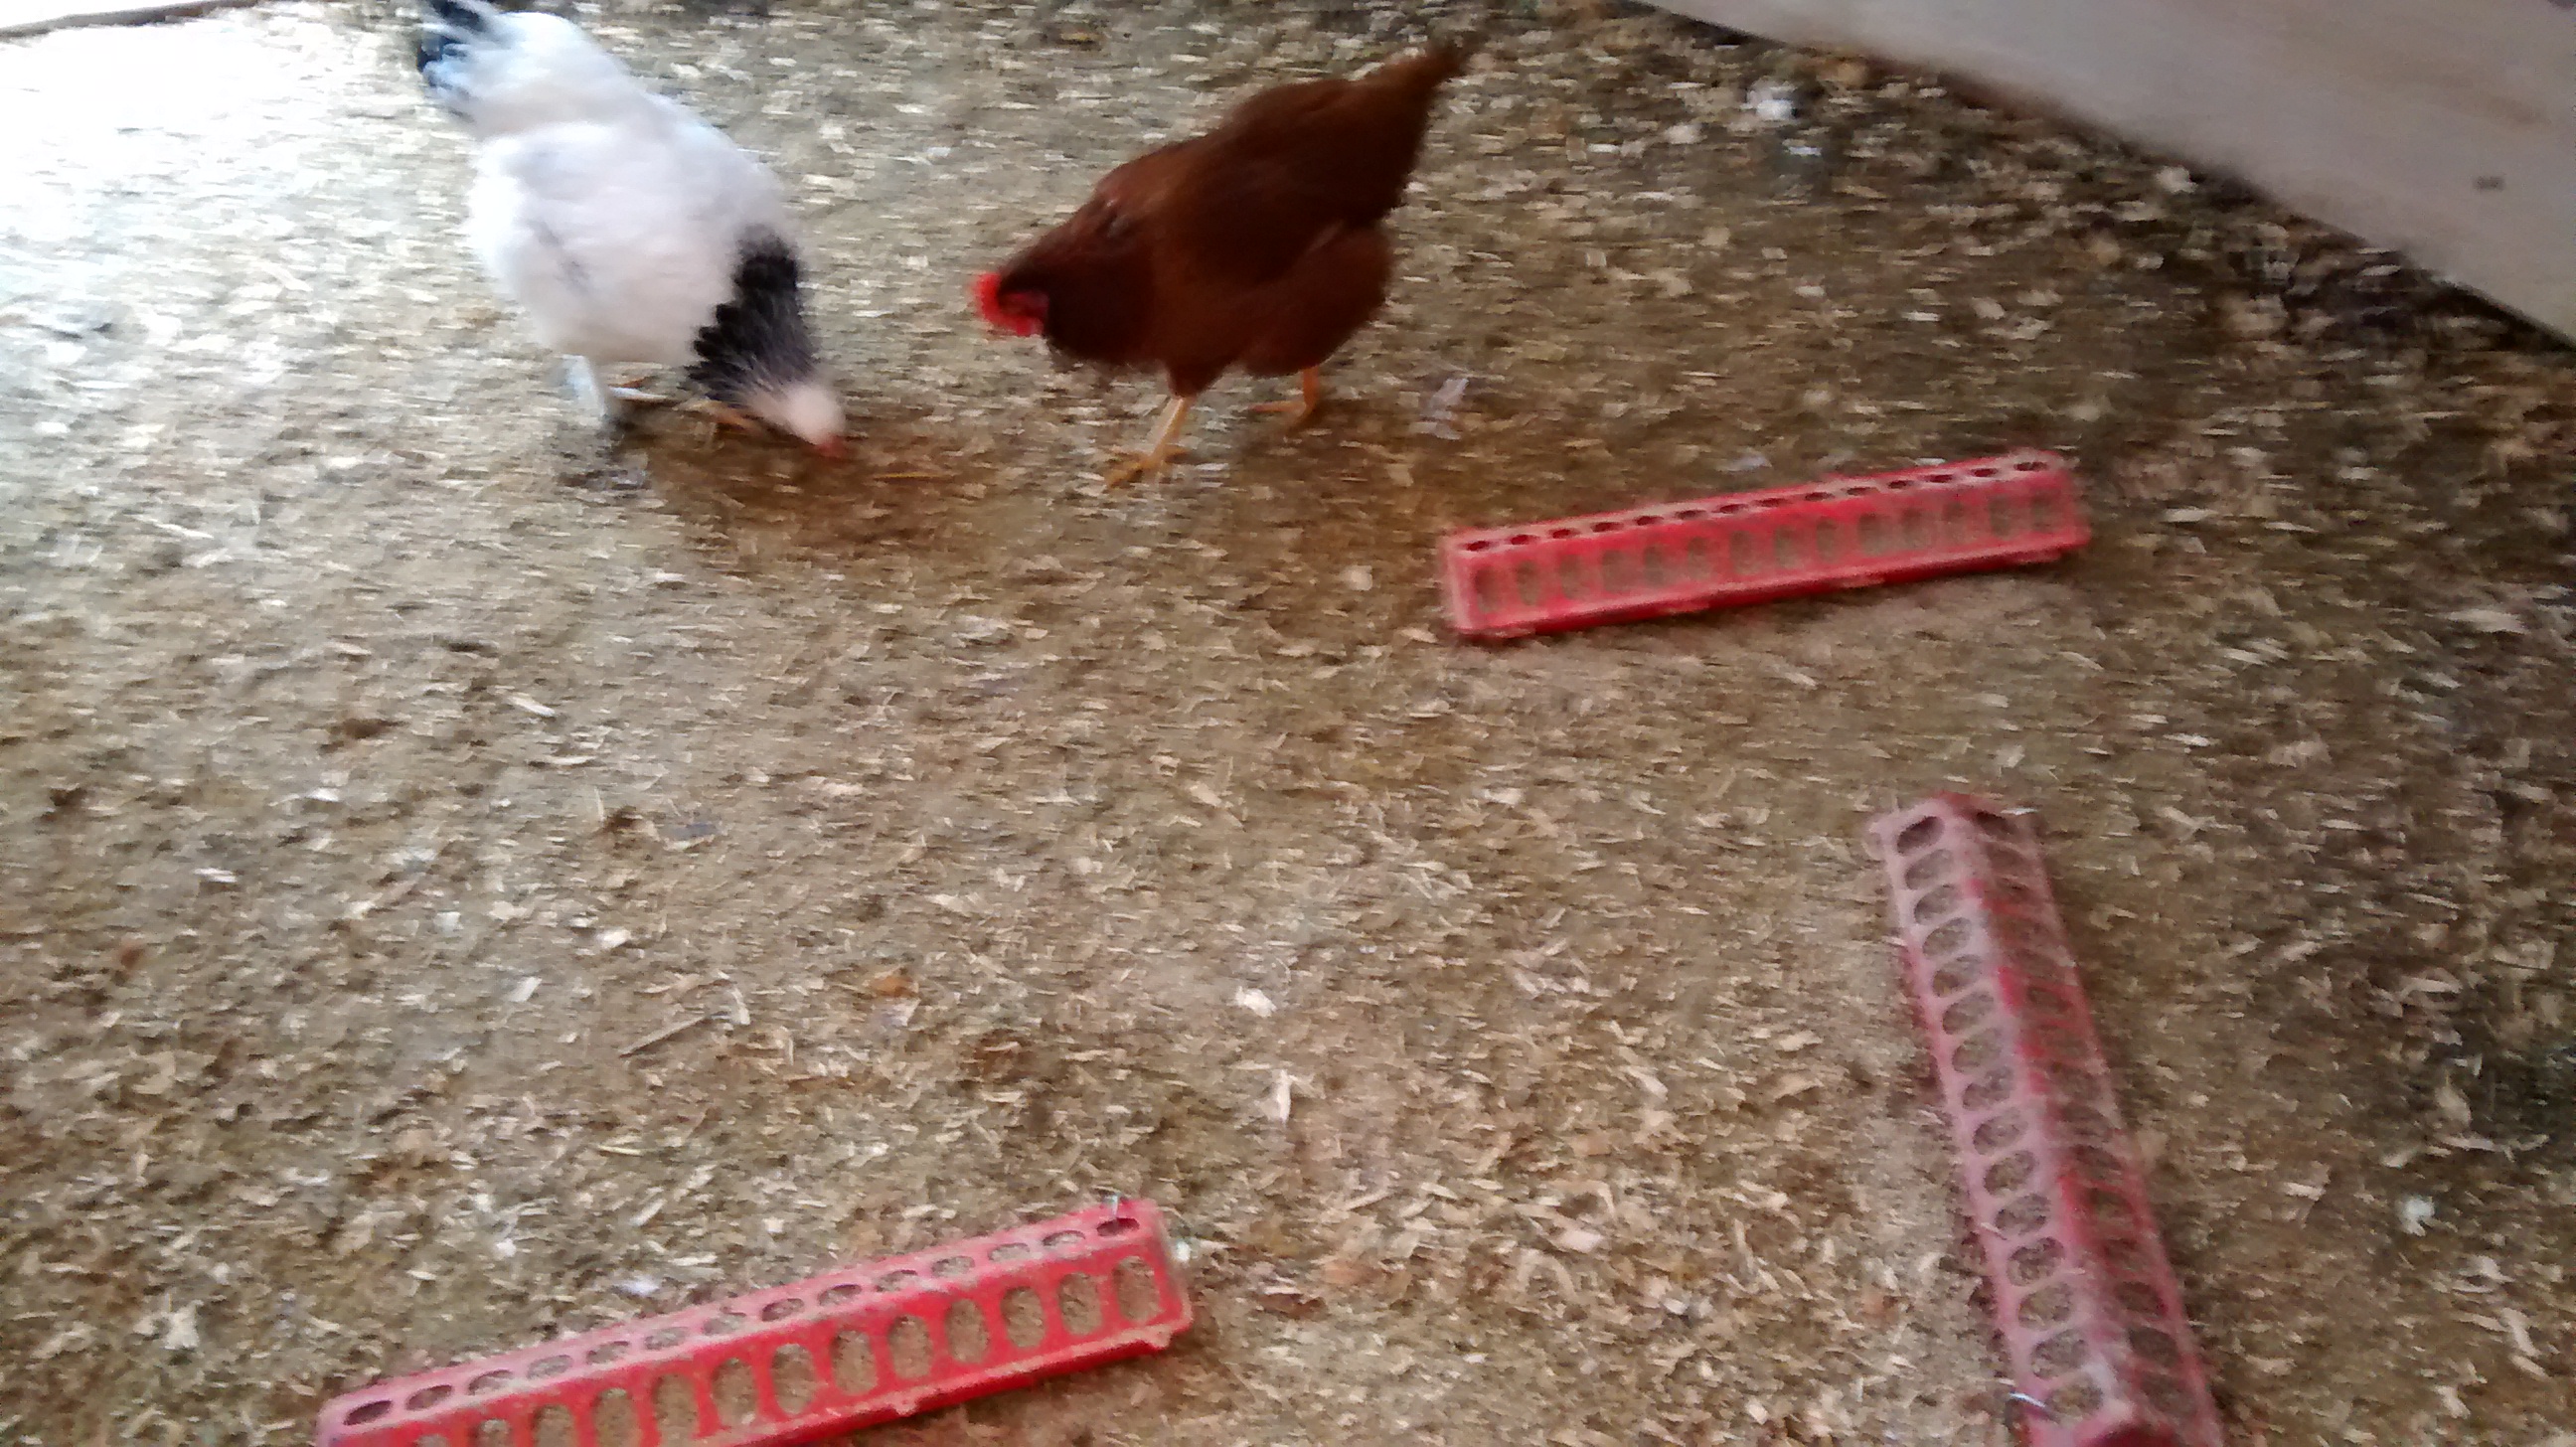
(632, 232)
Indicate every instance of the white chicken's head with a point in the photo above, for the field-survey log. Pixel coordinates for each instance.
(805, 410)
(757, 354)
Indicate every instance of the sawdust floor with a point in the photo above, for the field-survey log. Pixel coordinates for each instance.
(382, 768)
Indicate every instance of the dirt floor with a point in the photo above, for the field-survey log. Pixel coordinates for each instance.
(458, 889)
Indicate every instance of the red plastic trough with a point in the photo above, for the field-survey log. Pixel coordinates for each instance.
(826, 1355)
(2090, 1313)
(1759, 547)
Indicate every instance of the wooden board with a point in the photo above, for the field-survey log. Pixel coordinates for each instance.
(2441, 129)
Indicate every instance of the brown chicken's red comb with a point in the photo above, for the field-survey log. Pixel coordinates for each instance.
(1025, 321)
(988, 300)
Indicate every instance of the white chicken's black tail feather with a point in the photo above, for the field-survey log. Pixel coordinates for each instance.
(758, 340)
(449, 31)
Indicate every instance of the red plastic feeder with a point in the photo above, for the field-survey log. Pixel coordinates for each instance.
(2087, 1302)
(1759, 547)
(835, 1352)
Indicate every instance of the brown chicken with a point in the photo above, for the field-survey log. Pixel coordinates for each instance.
(1256, 245)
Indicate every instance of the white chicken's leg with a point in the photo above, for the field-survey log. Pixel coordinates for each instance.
(707, 407)
(584, 380)
(718, 415)
(602, 401)
(627, 385)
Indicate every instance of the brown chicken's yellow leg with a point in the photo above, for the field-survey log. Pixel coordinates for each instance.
(1159, 453)
(1310, 399)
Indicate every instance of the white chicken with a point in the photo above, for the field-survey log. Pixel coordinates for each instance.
(630, 231)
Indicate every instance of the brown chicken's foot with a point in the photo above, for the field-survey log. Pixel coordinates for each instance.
(641, 397)
(1159, 453)
(1302, 409)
